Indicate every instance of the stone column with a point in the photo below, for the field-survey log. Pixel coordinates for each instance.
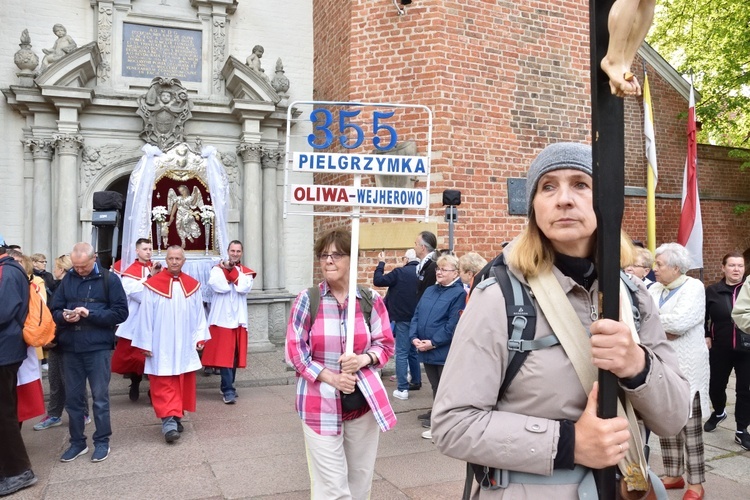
(66, 211)
(41, 213)
(271, 221)
(252, 210)
(280, 166)
(28, 193)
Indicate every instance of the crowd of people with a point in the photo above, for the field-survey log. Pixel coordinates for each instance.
(152, 316)
(672, 351)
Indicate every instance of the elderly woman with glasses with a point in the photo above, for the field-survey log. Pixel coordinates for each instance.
(682, 310)
(435, 319)
(340, 398)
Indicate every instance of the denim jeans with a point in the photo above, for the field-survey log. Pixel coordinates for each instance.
(227, 380)
(406, 357)
(77, 368)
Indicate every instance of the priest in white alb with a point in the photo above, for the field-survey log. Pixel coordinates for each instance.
(230, 282)
(171, 326)
(126, 359)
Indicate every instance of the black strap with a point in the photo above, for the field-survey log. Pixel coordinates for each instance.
(523, 312)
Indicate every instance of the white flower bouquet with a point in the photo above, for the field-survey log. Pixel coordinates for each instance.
(159, 214)
(207, 215)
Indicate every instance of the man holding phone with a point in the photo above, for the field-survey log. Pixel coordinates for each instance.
(87, 306)
(127, 360)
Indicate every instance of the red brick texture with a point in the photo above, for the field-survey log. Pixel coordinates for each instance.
(504, 79)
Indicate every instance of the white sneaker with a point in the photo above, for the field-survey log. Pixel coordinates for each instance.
(404, 395)
(427, 434)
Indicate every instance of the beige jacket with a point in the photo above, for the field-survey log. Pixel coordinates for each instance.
(741, 311)
(521, 432)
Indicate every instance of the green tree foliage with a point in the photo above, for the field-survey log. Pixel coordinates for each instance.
(711, 39)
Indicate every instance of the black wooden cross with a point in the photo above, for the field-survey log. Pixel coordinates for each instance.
(608, 146)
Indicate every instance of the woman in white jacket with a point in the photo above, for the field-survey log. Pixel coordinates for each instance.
(682, 307)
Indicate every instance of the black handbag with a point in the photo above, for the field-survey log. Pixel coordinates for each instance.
(353, 401)
(743, 341)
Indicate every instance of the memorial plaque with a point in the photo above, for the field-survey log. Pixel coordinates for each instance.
(149, 51)
(517, 196)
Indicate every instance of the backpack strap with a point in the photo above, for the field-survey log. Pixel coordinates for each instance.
(364, 298)
(313, 293)
(365, 303)
(521, 322)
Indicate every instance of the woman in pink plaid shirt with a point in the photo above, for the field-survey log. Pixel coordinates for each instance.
(341, 442)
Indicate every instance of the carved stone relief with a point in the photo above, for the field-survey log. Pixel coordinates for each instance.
(40, 148)
(229, 160)
(94, 159)
(164, 108)
(220, 42)
(25, 58)
(249, 152)
(67, 144)
(105, 41)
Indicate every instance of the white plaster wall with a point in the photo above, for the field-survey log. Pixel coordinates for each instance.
(38, 17)
(283, 28)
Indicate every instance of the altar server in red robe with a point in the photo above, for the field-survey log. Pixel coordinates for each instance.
(227, 349)
(127, 360)
(171, 325)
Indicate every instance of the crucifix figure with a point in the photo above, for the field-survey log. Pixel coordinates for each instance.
(629, 22)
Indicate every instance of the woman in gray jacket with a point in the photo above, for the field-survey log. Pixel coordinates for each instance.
(544, 432)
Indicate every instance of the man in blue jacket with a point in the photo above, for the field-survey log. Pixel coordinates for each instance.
(15, 467)
(87, 305)
(401, 301)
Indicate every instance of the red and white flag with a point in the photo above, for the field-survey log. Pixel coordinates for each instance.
(690, 232)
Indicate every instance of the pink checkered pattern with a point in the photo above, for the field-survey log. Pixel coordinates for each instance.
(318, 404)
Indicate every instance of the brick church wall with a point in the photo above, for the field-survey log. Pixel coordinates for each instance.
(504, 79)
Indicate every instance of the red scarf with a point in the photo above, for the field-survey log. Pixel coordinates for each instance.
(135, 271)
(161, 283)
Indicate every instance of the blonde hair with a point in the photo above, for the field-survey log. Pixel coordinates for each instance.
(64, 262)
(533, 254)
(645, 254)
(451, 260)
(26, 264)
(471, 262)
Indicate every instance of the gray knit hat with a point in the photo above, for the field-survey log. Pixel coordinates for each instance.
(556, 157)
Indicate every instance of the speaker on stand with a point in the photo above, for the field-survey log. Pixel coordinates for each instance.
(106, 219)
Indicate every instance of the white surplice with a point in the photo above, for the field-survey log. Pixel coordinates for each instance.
(229, 305)
(134, 292)
(171, 328)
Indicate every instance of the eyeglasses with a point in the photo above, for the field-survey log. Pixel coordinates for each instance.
(443, 270)
(335, 256)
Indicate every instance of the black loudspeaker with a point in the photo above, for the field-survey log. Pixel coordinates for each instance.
(451, 197)
(108, 200)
